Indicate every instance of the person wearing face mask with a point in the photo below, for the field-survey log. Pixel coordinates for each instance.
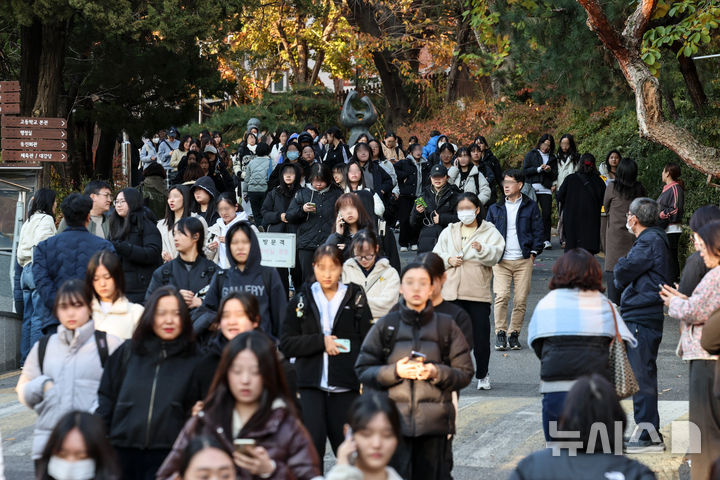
(78, 449)
(63, 370)
(469, 249)
(147, 388)
(313, 210)
(148, 152)
(290, 156)
(249, 411)
(638, 275)
(372, 436)
(435, 209)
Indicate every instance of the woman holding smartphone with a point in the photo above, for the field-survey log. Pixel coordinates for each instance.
(325, 325)
(250, 412)
(372, 435)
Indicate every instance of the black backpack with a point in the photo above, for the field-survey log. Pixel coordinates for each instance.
(100, 341)
(389, 334)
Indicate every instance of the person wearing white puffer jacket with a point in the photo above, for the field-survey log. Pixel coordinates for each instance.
(380, 281)
(470, 248)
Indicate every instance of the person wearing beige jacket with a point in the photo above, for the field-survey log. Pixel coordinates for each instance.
(380, 281)
(470, 248)
(112, 312)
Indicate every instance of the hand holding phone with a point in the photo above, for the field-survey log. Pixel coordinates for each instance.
(343, 345)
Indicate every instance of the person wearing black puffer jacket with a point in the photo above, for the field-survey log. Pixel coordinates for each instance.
(148, 386)
(325, 325)
(441, 199)
(540, 167)
(313, 210)
(413, 175)
(274, 213)
(137, 241)
(419, 357)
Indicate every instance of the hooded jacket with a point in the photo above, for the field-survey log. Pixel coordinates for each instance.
(60, 258)
(302, 337)
(431, 146)
(37, 228)
(207, 184)
(313, 227)
(257, 172)
(381, 285)
(287, 442)
(72, 364)
(168, 241)
(271, 295)
(471, 280)
(120, 320)
(444, 203)
(638, 275)
(145, 398)
(407, 175)
(528, 223)
(219, 229)
(474, 183)
(140, 252)
(426, 406)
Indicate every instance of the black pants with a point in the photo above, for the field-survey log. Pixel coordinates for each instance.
(544, 201)
(674, 239)
(137, 464)
(705, 413)
(408, 234)
(305, 256)
(480, 315)
(643, 361)
(612, 292)
(256, 200)
(325, 414)
(422, 458)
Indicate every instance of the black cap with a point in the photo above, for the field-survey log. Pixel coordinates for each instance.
(438, 171)
(305, 138)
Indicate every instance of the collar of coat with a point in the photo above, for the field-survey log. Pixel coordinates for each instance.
(415, 318)
(76, 338)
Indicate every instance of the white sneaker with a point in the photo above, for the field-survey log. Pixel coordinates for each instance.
(413, 248)
(547, 245)
(403, 249)
(484, 383)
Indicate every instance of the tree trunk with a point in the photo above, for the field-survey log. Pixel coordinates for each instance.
(648, 97)
(30, 49)
(692, 82)
(457, 72)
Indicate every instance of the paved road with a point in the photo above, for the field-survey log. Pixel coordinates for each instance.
(496, 428)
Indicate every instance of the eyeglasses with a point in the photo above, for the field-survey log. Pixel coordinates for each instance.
(364, 258)
(629, 214)
(119, 201)
(106, 195)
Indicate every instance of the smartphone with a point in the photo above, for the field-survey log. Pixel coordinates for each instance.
(342, 222)
(418, 356)
(244, 445)
(312, 204)
(352, 458)
(343, 344)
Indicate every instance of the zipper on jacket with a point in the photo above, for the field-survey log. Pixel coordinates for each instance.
(416, 347)
(152, 398)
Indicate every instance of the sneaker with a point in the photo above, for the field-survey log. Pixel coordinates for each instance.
(484, 383)
(501, 341)
(548, 245)
(515, 341)
(413, 248)
(403, 249)
(644, 446)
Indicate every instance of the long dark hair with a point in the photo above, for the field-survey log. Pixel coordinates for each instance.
(366, 406)
(543, 137)
(351, 199)
(572, 152)
(250, 305)
(381, 154)
(362, 146)
(433, 264)
(169, 221)
(112, 263)
(626, 184)
(43, 202)
(119, 226)
(144, 329)
(587, 164)
(286, 190)
(607, 160)
(192, 226)
(220, 402)
(361, 184)
(472, 198)
(97, 445)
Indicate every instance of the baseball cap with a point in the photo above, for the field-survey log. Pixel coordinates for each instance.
(210, 149)
(438, 171)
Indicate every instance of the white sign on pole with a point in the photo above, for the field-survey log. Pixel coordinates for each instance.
(278, 249)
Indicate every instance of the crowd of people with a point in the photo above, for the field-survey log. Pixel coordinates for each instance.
(162, 347)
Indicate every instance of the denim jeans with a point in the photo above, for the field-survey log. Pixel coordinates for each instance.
(552, 407)
(643, 361)
(33, 314)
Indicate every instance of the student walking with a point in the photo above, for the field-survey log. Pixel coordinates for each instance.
(541, 171)
(518, 221)
(419, 357)
(469, 249)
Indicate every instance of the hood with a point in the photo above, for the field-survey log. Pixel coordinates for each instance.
(422, 159)
(207, 184)
(324, 190)
(239, 217)
(255, 255)
(414, 318)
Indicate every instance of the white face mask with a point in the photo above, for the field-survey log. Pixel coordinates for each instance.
(629, 228)
(61, 469)
(156, 139)
(467, 216)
